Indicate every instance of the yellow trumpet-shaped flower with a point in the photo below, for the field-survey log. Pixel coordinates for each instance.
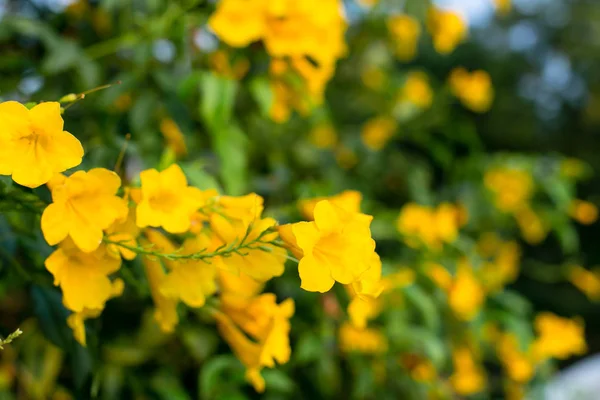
(348, 200)
(558, 337)
(83, 277)
(167, 201)
(473, 89)
(447, 28)
(337, 246)
(83, 206)
(405, 31)
(33, 145)
(429, 226)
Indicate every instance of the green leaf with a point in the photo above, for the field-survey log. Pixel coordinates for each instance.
(276, 380)
(218, 374)
(218, 97)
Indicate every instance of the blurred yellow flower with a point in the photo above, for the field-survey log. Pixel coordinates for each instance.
(83, 206)
(473, 89)
(518, 364)
(167, 201)
(417, 90)
(83, 277)
(257, 330)
(447, 28)
(405, 31)
(558, 337)
(378, 131)
(583, 212)
(345, 157)
(501, 264)
(367, 340)
(419, 368)
(466, 294)
(323, 136)
(586, 281)
(533, 229)
(349, 200)
(430, 226)
(336, 246)
(173, 136)
(503, 6)
(439, 275)
(33, 145)
(512, 188)
(373, 77)
(468, 377)
(245, 209)
(221, 63)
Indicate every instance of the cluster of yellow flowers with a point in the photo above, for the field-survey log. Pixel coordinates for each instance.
(424, 225)
(300, 40)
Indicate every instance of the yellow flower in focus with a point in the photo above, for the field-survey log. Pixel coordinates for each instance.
(173, 136)
(369, 341)
(468, 377)
(503, 6)
(83, 206)
(245, 209)
(466, 295)
(533, 228)
(447, 28)
(586, 281)
(83, 277)
(349, 200)
(473, 89)
(518, 365)
(262, 261)
(558, 337)
(337, 246)
(430, 226)
(377, 132)
(512, 188)
(416, 90)
(323, 136)
(405, 31)
(583, 212)
(257, 330)
(167, 201)
(33, 145)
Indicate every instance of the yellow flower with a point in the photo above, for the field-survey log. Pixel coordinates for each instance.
(238, 285)
(173, 136)
(221, 64)
(262, 261)
(125, 231)
(245, 209)
(512, 188)
(364, 304)
(167, 201)
(323, 136)
(257, 330)
(473, 89)
(373, 77)
(518, 365)
(368, 3)
(33, 145)
(377, 132)
(503, 6)
(468, 377)
(586, 281)
(337, 246)
(83, 206)
(447, 28)
(416, 90)
(83, 277)
(465, 295)
(558, 337)
(419, 368)
(345, 157)
(439, 275)
(533, 228)
(430, 226)
(165, 313)
(349, 200)
(405, 31)
(583, 212)
(502, 261)
(370, 341)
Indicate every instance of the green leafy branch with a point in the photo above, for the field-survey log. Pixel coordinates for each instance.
(17, 200)
(10, 338)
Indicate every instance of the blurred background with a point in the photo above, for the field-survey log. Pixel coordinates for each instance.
(178, 92)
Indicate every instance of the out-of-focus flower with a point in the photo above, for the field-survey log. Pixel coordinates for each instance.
(33, 145)
(83, 206)
(533, 228)
(468, 377)
(377, 132)
(429, 226)
(558, 337)
(405, 31)
(512, 188)
(419, 367)
(447, 28)
(518, 364)
(473, 89)
(323, 136)
(349, 200)
(583, 212)
(221, 63)
(466, 294)
(586, 281)
(373, 77)
(173, 136)
(501, 264)
(345, 157)
(439, 275)
(416, 90)
(503, 6)
(367, 340)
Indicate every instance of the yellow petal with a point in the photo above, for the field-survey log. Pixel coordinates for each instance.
(314, 277)
(46, 117)
(55, 223)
